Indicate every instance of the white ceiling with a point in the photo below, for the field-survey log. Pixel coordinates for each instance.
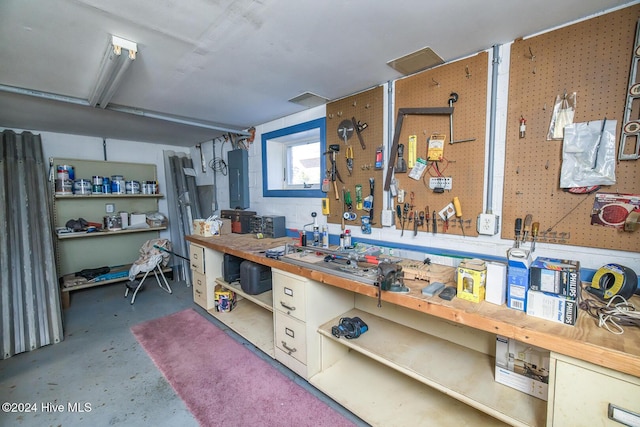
(234, 64)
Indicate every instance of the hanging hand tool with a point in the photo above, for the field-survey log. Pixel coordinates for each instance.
(405, 214)
(427, 217)
(527, 227)
(333, 149)
(401, 165)
(399, 215)
(359, 197)
(359, 126)
(458, 208)
(412, 197)
(348, 153)
(517, 230)
(535, 227)
(416, 223)
(344, 204)
(452, 100)
(434, 223)
(369, 200)
(421, 217)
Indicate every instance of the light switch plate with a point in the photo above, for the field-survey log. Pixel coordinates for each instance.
(110, 207)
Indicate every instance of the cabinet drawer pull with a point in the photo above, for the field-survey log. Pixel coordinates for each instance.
(286, 306)
(289, 349)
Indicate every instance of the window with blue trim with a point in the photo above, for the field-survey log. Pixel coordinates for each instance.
(293, 160)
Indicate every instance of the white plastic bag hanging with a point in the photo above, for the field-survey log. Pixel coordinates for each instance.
(563, 112)
(588, 154)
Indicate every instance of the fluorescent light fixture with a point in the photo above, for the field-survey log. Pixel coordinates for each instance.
(112, 69)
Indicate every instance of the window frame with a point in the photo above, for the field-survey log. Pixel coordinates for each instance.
(267, 138)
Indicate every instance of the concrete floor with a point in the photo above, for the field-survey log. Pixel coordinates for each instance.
(101, 371)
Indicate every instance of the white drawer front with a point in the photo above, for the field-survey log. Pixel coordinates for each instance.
(196, 255)
(289, 296)
(200, 294)
(291, 337)
(582, 396)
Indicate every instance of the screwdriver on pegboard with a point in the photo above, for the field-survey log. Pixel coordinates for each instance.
(535, 228)
(458, 209)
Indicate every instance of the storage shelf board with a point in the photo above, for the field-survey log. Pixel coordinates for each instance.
(252, 322)
(385, 397)
(264, 300)
(468, 375)
(107, 196)
(107, 282)
(107, 233)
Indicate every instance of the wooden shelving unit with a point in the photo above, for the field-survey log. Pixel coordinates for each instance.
(468, 377)
(251, 318)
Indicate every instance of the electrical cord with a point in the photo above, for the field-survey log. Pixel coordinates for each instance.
(217, 164)
(613, 315)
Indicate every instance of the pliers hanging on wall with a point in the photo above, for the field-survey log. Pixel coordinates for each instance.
(349, 155)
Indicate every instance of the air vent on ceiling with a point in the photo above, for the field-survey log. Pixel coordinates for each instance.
(309, 99)
(417, 61)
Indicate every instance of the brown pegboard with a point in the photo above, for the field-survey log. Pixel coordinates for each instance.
(591, 58)
(464, 161)
(367, 108)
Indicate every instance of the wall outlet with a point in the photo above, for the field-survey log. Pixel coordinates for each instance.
(488, 224)
(387, 218)
(109, 208)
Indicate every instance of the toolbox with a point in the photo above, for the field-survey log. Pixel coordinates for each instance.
(272, 226)
(240, 220)
(254, 278)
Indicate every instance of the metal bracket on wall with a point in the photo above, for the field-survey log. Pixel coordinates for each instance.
(402, 112)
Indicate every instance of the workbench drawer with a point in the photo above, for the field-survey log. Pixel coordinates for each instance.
(289, 295)
(196, 255)
(200, 294)
(291, 336)
(583, 393)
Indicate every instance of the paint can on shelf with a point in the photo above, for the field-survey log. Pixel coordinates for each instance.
(117, 184)
(149, 187)
(132, 187)
(64, 187)
(106, 185)
(82, 187)
(65, 172)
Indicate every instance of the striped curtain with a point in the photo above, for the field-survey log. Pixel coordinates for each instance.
(29, 294)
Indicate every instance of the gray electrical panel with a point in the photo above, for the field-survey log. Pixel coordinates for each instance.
(238, 163)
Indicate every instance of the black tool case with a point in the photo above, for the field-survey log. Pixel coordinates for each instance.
(254, 278)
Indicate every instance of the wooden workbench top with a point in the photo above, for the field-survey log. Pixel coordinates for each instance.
(584, 341)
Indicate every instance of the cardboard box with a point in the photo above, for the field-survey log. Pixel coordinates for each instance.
(225, 228)
(556, 276)
(522, 366)
(225, 300)
(472, 278)
(496, 287)
(552, 307)
(518, 264)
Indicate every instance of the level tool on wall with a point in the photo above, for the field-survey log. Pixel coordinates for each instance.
(631, 122)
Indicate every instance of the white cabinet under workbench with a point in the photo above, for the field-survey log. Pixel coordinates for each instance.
(301, 306)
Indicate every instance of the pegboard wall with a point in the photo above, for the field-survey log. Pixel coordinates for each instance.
(366, 108)
(591, 58)
(463, 161)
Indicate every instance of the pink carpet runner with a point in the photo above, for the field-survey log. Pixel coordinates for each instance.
(222, 382)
